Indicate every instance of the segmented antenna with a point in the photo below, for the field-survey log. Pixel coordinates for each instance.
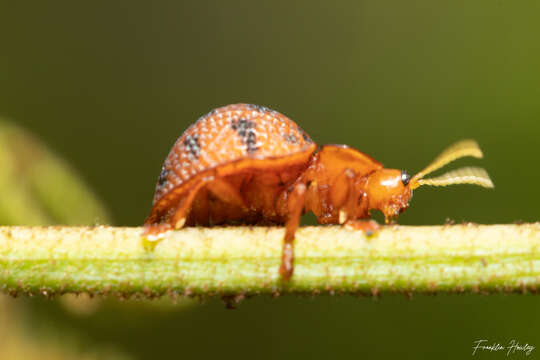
(465, 175)
(453, 152)
(456, 151)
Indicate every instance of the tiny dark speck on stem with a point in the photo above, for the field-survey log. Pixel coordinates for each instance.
(484, 262)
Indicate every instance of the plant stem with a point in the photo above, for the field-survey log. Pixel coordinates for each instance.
(244, 261)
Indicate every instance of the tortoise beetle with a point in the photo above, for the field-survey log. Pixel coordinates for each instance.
(248, 164)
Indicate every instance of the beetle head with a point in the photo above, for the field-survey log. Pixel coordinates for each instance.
(390, 190)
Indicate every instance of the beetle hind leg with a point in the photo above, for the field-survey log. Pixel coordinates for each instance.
(178, 220)
(154, 231)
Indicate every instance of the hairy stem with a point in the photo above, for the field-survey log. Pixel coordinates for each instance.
(244, 261)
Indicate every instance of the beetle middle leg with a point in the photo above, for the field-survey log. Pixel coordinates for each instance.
(354, 205)
(369, 227)
(295, 205)
(344, 193)
(226, 192)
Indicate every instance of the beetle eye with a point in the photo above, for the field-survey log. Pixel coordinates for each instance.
(405, 178)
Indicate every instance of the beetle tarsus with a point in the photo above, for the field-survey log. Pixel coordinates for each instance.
(369, 227)
(295, 206)
(287, 262)
(156, 232)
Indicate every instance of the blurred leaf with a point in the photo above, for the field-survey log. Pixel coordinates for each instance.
(18, 342)
(39, 188)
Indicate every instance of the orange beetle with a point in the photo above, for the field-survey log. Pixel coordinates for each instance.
(248, 164)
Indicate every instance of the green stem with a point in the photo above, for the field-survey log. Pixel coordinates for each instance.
(244, 261)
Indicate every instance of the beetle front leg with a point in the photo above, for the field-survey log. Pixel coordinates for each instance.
(295, 205)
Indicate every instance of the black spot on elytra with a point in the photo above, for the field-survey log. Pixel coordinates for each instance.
(246, 130)
(242, 127)
(258, 108)
(251, 142)
(163, 177)
(262, 109)
(192, 145)
(305, 136)
(290, 138)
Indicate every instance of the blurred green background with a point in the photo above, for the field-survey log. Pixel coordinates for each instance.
(109, 86)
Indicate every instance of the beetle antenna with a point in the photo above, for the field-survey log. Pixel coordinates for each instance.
(458, 150)
(465, 175)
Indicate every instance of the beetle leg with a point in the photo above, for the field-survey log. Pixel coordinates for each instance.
(178, 220)
(369, 227)
(224, 191)
(295, 206)
(200, 209)
(348, 210)
(156, 231)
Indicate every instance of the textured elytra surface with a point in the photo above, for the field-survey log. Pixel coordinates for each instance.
(227, 134)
